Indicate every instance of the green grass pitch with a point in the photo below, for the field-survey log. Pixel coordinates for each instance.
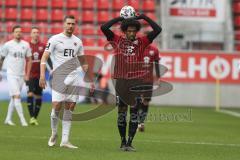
(200, 134)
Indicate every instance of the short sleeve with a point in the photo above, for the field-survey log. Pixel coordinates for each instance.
(145, 41)
(28, 51)
(115, 38)
(80, 49)
(50, 45)
(4, 51)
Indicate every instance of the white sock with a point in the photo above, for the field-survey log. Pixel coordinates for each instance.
(66, 125)
(19, 110)
(54, 121)
(10, 111)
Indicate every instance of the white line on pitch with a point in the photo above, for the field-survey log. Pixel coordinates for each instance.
(143, 141)
(235, 114)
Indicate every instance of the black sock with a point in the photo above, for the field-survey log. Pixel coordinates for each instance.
(38, 104)
(133, 124)
(143, 113)
(30, 105)
(122, 124)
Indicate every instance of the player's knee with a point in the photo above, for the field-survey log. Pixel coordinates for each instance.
(16, 97)
(54, 113)
(146, 102)
(30, 94)
(122, 108)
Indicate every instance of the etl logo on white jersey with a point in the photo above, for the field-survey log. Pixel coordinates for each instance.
(63, 48)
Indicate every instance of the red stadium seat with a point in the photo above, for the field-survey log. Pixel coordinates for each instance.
(103, 4)
(43, 27)
(41, 3)
(118, 4)
(26, 37)
(237, 47)
(11, 13)
(11, 3)
(237, 35)
(237, 21)
(57, 3)
(99, 32)
(103, 16)
(9, 37)
(88, 42)
(26, 14)
(9, 26)
(88, 29)
(56, 28)
(42, 14)
(102, 41)
(135, 4)
(26, 27)
(236, 7)
(72, 4)
(57, 15)
(150, 15)
(26, 3)
(87, 16)
(87, 4)
(44, 39)
(115, 14)
(75, 13)
(149, 5)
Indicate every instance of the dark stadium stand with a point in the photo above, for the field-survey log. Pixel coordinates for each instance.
(236, 21)
(48, 16)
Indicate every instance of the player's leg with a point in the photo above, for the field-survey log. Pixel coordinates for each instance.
(146, 98)
(16, 90)
(8, 119)
(122, 122)
(54, 117)
(30, 100)
(66, 124)
(38, 100)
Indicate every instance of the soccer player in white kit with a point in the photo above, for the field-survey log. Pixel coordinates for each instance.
(62, 48)
(16, 51)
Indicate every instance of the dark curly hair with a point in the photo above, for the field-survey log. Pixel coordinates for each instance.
(130, 22)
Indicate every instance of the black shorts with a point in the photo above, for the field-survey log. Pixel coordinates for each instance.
(129, 91)
(33, 86)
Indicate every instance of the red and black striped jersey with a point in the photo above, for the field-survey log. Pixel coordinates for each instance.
(126, 53)
(37, 52)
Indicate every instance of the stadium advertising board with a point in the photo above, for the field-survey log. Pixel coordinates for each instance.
(197, 10)
(190, 67)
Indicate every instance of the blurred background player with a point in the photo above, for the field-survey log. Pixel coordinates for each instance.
(62, 47)
(34, 96)
(129, 48)
(16, 51)
(150, 57)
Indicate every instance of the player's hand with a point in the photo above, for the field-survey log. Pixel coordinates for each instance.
(26, 78)
(85, 67)
(92, 88)
(42, 82)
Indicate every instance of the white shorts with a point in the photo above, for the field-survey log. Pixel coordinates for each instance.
(15, 84)
(72, 96)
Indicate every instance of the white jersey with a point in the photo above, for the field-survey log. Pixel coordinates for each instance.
(16, 52)
(63, 49)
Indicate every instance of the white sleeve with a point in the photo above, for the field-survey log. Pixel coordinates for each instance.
(50, 45)
(80, 49)
(29, 52)
(4, 51)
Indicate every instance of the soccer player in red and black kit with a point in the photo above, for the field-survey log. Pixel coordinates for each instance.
(129, 48)
(34, 91)
(150, 59)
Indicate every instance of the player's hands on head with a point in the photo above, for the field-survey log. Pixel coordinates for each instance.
(139, 16)
(42, 82)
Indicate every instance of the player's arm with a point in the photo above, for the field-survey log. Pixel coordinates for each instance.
(1, 62)
(156, 28)
(106, 27)
(42, 80)
(28, 67)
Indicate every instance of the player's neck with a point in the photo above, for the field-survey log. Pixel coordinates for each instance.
(34, 41)
(67, 34)
(17, 40)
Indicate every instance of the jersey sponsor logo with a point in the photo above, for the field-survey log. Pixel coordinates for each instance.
(35, 55)
(151, 52)
(68, 53)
